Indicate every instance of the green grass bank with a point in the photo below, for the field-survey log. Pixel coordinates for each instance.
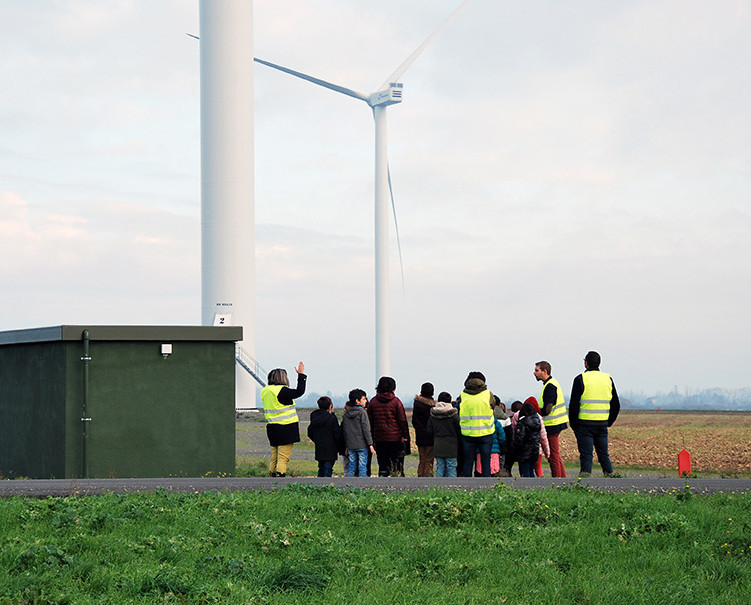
(311, 544)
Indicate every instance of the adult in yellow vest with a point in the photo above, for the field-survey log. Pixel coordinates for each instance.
(593, 407)
(282, 422)
(477, 423)
(554, 416)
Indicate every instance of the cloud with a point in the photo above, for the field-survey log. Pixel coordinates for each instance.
(12, 214)
(99, 257)
(567, 176)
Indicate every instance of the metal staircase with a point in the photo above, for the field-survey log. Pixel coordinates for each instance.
(250, 365)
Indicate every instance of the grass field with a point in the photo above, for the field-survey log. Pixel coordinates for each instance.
(719, 443)
(311, 544)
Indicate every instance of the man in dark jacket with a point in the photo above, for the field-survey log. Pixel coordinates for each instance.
(325, 432)
(593, 407)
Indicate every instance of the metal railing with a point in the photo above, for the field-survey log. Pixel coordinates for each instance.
(250, 365)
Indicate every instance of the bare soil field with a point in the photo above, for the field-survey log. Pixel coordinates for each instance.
(719, 442)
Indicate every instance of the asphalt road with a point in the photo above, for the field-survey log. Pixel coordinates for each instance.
(41, 488)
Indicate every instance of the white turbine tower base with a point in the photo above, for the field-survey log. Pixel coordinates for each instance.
(227, 205)
(389, 93)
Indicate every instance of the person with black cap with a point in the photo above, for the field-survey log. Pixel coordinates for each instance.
(421, 409)
(593, 407)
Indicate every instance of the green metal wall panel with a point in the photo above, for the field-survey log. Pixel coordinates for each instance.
(154, 416)
(73, 410)
(32, 410)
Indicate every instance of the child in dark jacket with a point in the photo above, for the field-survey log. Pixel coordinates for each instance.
(508, 463)
(526, 440)
(444, 429)
(325, 432)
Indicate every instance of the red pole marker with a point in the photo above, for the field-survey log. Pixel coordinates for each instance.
(684, 463)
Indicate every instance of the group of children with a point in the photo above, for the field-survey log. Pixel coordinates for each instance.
(519, 437)
(352, 438)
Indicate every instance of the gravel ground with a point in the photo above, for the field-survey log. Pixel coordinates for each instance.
(252, 433)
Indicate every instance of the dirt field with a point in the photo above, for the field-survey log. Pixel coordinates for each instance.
(719, 442)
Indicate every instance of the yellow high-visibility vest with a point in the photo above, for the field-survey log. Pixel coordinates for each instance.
(476, 415)
(558, 415)
(595, 400)
(273, 410)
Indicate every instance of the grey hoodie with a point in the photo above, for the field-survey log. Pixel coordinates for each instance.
(356, 428)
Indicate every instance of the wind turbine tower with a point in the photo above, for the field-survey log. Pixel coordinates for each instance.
(227, 179)
(389, 93)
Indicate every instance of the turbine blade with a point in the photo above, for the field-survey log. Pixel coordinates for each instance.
(345, 91)
(413, 57)
(396, 226)
(324, 83)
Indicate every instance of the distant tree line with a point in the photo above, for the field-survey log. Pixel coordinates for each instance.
(689, 399)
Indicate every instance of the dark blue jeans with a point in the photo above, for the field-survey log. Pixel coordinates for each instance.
(471, 447)
(527, 467)
(593, 436)
(325, 468)
(358, 462)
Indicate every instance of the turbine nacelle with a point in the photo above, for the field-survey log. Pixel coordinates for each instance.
(387, 96)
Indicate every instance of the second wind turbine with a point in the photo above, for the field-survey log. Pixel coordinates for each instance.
(389, 93)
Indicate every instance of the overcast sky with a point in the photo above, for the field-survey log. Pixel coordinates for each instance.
(568, 176)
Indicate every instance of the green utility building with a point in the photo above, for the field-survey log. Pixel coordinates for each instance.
(117, 401)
